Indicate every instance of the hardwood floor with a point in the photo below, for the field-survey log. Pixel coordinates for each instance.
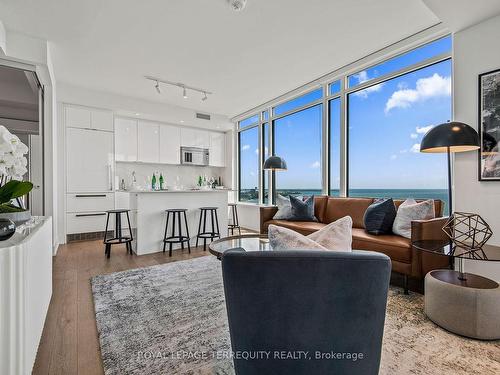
(69, 343)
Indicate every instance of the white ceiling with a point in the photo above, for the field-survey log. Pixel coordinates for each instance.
(245, 58)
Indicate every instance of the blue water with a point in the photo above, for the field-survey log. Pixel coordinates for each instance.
(442, 194)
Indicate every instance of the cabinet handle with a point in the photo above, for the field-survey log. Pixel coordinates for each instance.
(82, 215)
(90, 196)
(110, 177)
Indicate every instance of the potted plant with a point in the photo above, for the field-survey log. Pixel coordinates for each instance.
(12, 169)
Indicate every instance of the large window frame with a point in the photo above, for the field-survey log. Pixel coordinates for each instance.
(342, 76)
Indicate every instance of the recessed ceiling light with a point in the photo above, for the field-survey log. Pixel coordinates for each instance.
(182, 121)
(137, 114)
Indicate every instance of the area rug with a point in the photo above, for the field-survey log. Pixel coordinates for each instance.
(171, 319)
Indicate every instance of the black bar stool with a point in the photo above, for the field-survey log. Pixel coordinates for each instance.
(176, 237)
(215, 224)
(235, 223)
(118, 238)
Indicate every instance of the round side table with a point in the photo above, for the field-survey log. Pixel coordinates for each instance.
(468, 307)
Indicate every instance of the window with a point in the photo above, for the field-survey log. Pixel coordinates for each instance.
(386, 124)
(297, 138)
(334, 121)
(376, 120)
(298, 102)
(405, 60)
(267, 153)
(249, 165)
(249, 121)
(334, 87)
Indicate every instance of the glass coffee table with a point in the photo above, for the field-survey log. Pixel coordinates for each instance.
(248, 242)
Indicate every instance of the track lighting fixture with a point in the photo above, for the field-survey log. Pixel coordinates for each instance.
(184, 87)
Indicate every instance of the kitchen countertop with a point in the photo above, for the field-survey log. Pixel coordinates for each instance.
(177, 191)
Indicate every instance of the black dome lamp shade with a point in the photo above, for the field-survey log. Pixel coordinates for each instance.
(447, 138)
(274, 163)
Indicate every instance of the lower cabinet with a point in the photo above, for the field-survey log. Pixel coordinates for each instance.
(86, 222)
(86, 212)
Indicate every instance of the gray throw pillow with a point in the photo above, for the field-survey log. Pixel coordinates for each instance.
(284, 208)
(411, 210)
(379, 216)
(302, 211)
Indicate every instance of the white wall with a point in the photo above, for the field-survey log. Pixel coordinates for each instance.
(249, 216)
(475, 51)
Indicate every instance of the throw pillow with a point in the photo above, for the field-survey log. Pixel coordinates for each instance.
(336, 235)
(411, 210)
(284, 208)
(302, 210)
(281, 238)
(379, 216)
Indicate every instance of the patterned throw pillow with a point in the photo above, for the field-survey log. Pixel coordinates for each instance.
(284, 208)
(411, 210)
(379, 217)
(334, 236)
(302, 210)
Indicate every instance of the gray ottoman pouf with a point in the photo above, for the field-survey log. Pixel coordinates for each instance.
(470, 308)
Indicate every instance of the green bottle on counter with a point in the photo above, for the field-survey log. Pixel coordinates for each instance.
(161, 181)
(153, 182)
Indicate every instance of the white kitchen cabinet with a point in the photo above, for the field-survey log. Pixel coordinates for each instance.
(102, 120)
(217, 157)
(148, 142)
(88, 118)
(170, 144)
(191, 137)
(89, 161)
(78, 117)
(125, 139)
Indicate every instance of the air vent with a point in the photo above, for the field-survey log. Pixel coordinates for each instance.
(203, 116)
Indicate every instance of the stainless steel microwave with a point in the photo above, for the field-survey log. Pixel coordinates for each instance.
(194, 156)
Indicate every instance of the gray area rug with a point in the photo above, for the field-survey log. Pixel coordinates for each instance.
(171, 319)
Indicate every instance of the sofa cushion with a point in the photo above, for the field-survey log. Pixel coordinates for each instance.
(396, 247)
(320, 202)
(380, 216)
(302, 210)
(411, 210)
(354, 207)
(304, 227)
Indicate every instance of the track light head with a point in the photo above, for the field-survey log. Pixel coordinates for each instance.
(157, 87)
(205, 97)
(184, 93)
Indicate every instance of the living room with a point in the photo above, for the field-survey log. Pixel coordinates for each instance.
(249, 186)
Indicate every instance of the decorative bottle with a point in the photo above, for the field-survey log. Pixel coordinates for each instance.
(161, 181)
(153, 182)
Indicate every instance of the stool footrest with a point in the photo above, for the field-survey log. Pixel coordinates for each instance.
(117, 241)
(175, 239)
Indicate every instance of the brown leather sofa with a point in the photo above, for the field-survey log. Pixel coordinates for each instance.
(405, 259)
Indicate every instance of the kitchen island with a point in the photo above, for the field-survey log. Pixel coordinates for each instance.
(151, 217)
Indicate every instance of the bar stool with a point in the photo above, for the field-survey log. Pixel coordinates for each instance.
(235, 223)
(118, 238)
(215, 224)
(176, 237)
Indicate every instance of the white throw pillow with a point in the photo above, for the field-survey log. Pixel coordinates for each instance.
(410, 210)
(281, 238)
(284, 208)
(334, 236)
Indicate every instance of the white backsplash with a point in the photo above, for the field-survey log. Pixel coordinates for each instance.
(181, 176)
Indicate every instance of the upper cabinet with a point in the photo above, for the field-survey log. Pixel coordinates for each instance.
(148, 142)
(88, 118)
(125, 139)
(191, 137)
(217, 155)
(170, 144)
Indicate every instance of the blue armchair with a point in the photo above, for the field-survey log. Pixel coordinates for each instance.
(306, 312)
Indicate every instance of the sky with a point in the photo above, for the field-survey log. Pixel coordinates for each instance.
(386, 123)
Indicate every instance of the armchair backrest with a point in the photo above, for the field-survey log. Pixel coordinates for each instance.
(306, 311)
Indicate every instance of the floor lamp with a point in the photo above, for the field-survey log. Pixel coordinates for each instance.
(274, 163)
(449, 138)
